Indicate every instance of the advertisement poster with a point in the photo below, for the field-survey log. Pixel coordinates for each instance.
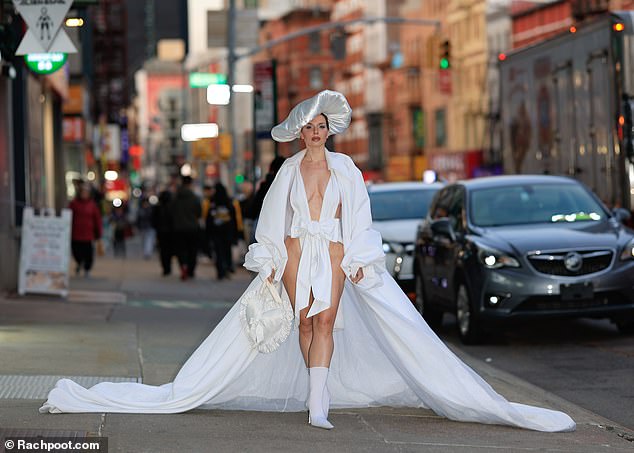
(45, 253)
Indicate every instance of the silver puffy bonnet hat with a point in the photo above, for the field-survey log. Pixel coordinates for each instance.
(330, 103)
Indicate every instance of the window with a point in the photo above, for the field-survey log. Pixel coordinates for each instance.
(533, 203)
(314, 43)
(440, 123)
(450, 204)
(400, 204)
(315, 77)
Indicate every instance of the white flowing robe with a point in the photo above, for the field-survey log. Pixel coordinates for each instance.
(385, 354)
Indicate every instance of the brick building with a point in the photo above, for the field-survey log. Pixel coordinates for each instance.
(304, 65)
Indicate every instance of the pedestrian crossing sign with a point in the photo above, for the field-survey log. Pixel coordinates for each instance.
(44, 19)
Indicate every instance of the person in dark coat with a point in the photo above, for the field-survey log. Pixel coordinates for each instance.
(258, 198)
(121, 229)
(162, 223)
(185, 210)
(221, 227)
(86, 228)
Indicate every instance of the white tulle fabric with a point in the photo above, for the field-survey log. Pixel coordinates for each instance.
(385, 355)
(331, 103)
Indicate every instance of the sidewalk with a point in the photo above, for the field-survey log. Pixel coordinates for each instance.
(127, 322)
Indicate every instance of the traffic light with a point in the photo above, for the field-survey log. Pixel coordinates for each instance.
(445, 54)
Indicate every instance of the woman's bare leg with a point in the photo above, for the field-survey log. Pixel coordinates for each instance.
(289, 279)
(322, 345)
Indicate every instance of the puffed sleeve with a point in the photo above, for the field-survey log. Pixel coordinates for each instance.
(269, 251)
(365, 247)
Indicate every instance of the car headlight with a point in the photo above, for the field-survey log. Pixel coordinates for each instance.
(628, 251)
(390, 247)
(495, 259)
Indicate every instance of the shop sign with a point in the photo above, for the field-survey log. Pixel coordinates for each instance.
(73, 129)
(45, 252)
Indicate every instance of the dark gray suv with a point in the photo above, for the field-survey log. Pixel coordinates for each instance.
(509, 247)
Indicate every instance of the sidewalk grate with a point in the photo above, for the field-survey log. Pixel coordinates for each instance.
(36, 387)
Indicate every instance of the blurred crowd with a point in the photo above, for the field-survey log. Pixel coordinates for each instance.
(182, 222)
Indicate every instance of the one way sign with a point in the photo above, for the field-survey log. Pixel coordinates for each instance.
(45, 33)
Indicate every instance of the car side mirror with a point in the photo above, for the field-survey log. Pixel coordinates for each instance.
(621, 214)
(442, 227)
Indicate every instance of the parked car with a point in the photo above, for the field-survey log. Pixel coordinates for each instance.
(397, 209)
(509, 247)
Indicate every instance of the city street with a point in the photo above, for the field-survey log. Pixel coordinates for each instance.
(485, 149)
(127, 322)
(584, 361)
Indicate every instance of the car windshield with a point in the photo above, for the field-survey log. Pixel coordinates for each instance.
(400, 204)
(533, 203)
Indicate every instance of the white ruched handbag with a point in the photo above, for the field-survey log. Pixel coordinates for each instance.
(266, 318)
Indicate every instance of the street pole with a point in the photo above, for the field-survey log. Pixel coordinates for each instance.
(231, 62)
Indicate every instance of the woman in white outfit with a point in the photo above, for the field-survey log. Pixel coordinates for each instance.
(316, 320)
(359, 340)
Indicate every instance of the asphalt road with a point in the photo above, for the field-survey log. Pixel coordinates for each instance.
(584, 361)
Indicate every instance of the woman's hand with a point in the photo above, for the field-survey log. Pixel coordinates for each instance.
(357, 278)
(272, 276)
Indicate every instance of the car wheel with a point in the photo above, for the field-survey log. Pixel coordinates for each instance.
(625, 327)
(431, 316)
(468, 323)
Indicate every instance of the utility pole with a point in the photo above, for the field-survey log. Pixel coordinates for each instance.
(231, 67)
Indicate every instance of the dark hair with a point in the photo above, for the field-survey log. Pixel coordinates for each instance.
(186, 180)
(327, 122)
(221, 196)
(276, 164)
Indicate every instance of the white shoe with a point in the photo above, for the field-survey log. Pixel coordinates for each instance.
(316, 411)
(321, 422)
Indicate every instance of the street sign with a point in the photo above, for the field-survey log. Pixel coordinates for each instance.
(44, 19)
(204, 149)
(226, 146)
(204, 79)
(264, 99)
(45, 63)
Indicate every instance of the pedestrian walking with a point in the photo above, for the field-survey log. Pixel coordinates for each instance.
(258, 198)
(120, 227)
(221, 227)
(163, 225)
(185, 211)
(86, 228)
(206, 242)
(145, 228)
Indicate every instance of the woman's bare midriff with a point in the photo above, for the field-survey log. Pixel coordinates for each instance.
(294, 251)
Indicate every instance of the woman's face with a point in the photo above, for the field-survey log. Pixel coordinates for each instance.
(315, 132)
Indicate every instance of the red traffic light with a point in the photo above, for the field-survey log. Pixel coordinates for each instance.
(501, 56)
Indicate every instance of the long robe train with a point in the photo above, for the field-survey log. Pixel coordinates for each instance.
(385, 355)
